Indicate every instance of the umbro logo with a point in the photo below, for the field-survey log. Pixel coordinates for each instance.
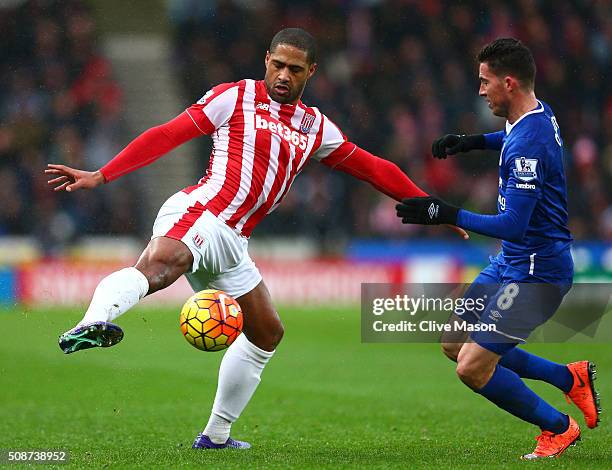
(495, 315)
(433, 210)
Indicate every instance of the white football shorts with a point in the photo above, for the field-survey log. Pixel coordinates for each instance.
(220, 257)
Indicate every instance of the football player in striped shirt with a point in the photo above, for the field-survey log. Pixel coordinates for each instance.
(263, 136)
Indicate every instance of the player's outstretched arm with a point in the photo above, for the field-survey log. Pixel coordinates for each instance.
(384, 175)
(452, 144)
(143, 150)
(510, 225)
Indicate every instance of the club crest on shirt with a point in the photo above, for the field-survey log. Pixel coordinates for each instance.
(198, 239)
(307, 122)
(525, 168)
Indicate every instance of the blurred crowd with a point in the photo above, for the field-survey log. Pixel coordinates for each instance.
(396, 74)
(59, 104)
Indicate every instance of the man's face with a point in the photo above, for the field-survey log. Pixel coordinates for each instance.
(495, 90)
(287, 71)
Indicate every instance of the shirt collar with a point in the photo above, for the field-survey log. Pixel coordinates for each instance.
(539, 109)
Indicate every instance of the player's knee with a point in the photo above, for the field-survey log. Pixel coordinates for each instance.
(469, 374)
(279, 332)
(163, 267)
(465, 373)
(451, 350)
(274, 336)
(266, 332)
(268, 336)
(472, 375)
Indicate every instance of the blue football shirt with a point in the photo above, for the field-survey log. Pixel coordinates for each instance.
(531, 166)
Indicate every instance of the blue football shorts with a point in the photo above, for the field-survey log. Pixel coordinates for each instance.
(515, 305)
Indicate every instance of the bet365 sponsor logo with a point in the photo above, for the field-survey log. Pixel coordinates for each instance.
(284, 132)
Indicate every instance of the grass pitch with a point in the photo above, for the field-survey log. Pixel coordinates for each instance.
(325, 400)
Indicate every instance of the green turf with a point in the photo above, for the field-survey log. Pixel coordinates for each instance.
(326, 400)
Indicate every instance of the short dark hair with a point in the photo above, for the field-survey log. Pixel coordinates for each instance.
(509, 56)
(299, 38)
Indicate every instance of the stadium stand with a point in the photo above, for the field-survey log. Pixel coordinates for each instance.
(60, 104)
(386, 77)
(396, 74)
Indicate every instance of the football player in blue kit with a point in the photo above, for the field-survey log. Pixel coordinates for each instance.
(525, 283)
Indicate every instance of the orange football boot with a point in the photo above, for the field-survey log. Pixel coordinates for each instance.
(583, 392)
(553, 445)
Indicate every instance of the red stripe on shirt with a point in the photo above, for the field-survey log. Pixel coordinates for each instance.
(233, 168)
(261, 160)
(285, 114)
(299, 156)
(299, 165)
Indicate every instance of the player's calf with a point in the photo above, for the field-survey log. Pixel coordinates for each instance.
(163, 261)
(243, 363)
(265, 334)
(262, 324)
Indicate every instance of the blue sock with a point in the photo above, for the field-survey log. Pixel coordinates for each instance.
(530, 366)
(509, 392)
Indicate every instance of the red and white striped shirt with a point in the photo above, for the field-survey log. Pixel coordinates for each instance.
(259, 147)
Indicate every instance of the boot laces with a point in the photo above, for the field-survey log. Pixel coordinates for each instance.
(545, 441)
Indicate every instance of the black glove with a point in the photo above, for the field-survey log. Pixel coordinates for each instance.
(426, 211)
(451, 144)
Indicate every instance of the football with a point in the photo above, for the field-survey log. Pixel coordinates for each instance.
(211, 320)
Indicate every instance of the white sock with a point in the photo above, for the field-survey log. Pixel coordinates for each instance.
(239, 376)
(218, 429)
(115, 295)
